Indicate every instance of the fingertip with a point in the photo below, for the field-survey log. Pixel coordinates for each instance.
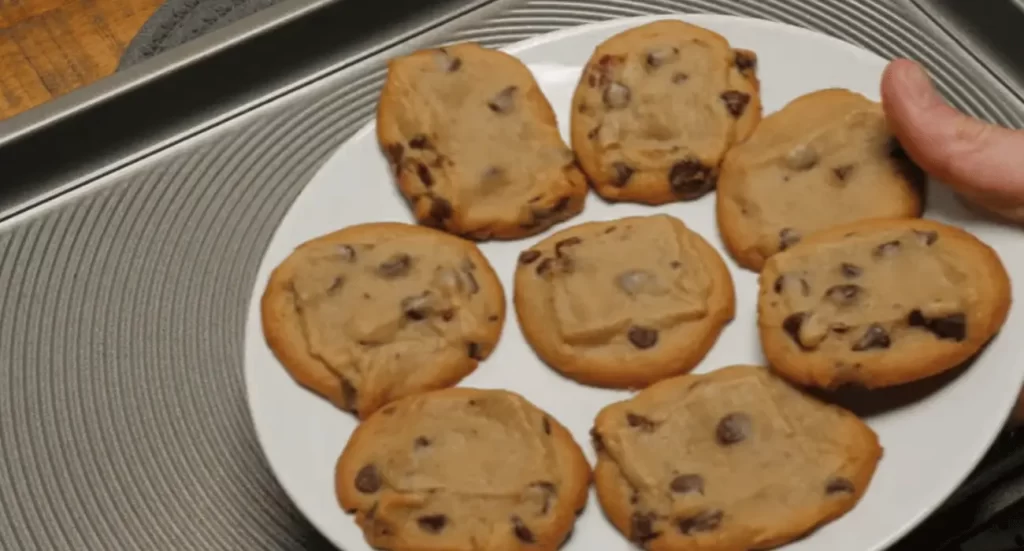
(907, 88)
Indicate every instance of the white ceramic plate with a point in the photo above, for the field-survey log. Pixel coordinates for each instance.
(933, 434)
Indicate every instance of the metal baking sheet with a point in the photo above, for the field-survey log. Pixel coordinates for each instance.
(134, 214)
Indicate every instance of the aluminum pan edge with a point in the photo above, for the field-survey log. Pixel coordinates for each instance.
(123, 422)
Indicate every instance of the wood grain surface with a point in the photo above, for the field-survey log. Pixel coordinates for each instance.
(50, 47)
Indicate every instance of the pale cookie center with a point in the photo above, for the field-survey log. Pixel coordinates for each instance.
(629, 282)
(364, 305)
(667, 108)
(725, 452)
(485, 466)
(477, 138)
(841, 172)
(859, 293)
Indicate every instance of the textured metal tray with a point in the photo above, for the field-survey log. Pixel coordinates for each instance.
(134, 214)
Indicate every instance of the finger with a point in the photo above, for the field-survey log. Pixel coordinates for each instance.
(978, 159)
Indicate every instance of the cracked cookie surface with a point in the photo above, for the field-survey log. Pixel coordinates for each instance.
(879, 303)
(375, 312)
(656, 109)
(733, 459)
(463, 470)
(623, 303)
(474, 144)
(825, 159)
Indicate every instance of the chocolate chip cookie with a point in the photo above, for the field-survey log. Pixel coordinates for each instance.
(623, 303)
(735, 459)
(375, 312)
(474, 144)
(825, 159)
(463, 469)
(880, 303)
(656, 109)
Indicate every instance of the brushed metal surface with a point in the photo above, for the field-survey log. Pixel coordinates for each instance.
(989, 30)
(122, 411)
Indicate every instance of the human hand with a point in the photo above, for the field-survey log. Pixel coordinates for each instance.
(978, 160)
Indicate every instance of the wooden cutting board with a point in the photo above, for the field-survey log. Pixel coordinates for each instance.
(50, 47)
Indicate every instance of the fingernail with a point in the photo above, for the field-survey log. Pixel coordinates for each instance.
(917, 84)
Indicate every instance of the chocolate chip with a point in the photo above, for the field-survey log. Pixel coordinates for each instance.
(597, 440)
(417, 308)
(545, 266)
(875, 337)
(842, 172)
(785, 280)
(787, 238)
(421, 442)
(792, 324)
(801, 157)
(634, 282)
(679, 78)
(432, 523)
(472, 287)
(643, 337)
(474, 351)
(420, 141)
(850, 270)
(394, 154)
(559, 205)
(546, 425)
(424, 174)
(446, 62)
(887, 249)
(396, 266)
(642, 528)
(705, 521)
(503, 101)
(733, 428)
(528, 257)
(616, 95)
(745, 60)
(521, 531)
(840, 328)
(660, 56)
(548, 487)
(690, 179)
(687, 484)
(592, 134)
(368, 480)
(550, 492)
(640, 422)
(843, 295)
(927, 238)
(440, 209)
(735, 101)
(623, 173)
(839, 485)
(347, 253)
(568, 242)
(952, 327)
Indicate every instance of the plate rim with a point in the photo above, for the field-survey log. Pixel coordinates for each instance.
(516, 48)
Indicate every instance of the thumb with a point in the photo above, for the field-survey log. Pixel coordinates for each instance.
(977, 159)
